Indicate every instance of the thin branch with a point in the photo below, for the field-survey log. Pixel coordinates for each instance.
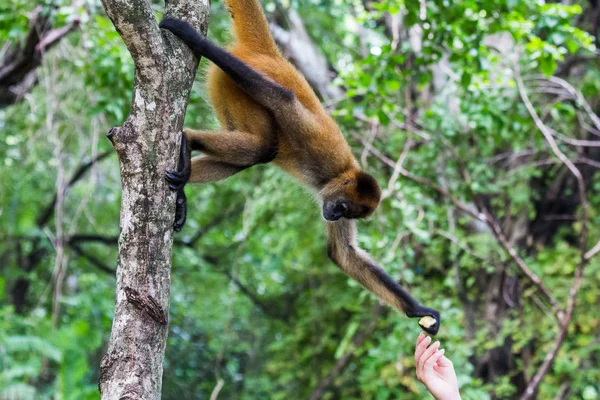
(217, 389)
(267, 309)
(562, 334)
(372, 134)
(461, 245)
(76, 239)
(55, 35)
(216, 221)
(550, 139)
(537, 282)
(93, 260)
(551, 161)
(398, 124)
(593, 251)
(511, 156)
(397, 167)
(574, 142)
(422, 181)
(576, 95)
(77, 175)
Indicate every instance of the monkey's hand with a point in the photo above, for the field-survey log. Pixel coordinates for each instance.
(429, 321)
(177, 180)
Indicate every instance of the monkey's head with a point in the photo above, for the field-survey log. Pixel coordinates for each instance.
(352, 194)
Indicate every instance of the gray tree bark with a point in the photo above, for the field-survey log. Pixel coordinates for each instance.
(147, 145)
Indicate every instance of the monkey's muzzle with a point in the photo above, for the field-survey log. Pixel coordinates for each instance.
(333, 211)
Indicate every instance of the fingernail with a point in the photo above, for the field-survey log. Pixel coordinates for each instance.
(437, 343)
(428, 338)
(442, 351)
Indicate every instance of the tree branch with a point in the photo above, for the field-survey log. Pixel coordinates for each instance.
(267, 309)
(44, 217)
(92, 259)
(593, 251)
(533, 278)
(18, 67)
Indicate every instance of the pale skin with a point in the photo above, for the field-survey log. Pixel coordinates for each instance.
(435, 370)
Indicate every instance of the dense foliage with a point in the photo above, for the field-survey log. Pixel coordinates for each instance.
(433, 88)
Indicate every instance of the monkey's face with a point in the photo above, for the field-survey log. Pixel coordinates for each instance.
(351, 195)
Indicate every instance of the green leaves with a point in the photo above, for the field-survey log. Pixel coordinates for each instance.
(32, 345)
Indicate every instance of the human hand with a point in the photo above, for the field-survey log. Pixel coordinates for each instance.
(435, 370)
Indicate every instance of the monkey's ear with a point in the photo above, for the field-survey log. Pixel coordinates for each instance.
(367, 187)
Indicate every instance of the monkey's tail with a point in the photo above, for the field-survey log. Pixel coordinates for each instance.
(251, 27)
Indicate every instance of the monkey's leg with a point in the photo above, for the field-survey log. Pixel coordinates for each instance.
(237, 148)
(263, 90)
(210, 169)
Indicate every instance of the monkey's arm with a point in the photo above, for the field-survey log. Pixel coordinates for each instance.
(263, 90)
(356, 263)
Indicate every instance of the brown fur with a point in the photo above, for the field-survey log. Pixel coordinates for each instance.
(236, 110)
(266, 123)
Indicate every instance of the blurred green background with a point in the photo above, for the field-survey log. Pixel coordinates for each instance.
(427, 94)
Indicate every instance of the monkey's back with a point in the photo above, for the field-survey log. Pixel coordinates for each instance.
(237, 111)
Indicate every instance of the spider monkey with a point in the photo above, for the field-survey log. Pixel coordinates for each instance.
(271, 114)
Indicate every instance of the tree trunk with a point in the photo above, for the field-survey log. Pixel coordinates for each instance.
(147, 145)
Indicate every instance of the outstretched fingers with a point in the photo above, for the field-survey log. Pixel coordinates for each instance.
(422, 343)
(425, 356)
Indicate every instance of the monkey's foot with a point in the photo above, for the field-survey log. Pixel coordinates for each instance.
(177, 179)
(180, 210)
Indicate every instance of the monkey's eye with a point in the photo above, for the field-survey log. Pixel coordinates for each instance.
(347, 181)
